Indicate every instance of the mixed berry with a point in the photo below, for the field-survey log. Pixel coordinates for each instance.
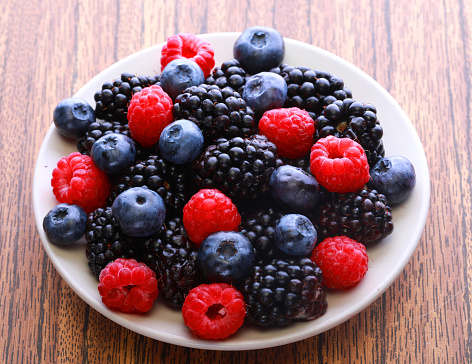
(245, 192)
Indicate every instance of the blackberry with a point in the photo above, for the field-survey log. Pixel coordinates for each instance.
(174, 259)
(352, 119)
(170, 181)
(311, 89)
(113, 99)
(301, 162)
(98, 129)
(284, 291)
(219, 113)
(240, 168)
(259, 228)
(229, 74)
(105, 241)
(363, 216)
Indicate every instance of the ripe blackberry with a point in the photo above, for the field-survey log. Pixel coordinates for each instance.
(105, 241)
(229, 74)
(240, 168)
(284, 291)
(351, 119)
(219, 113)
(98, 129)
(113, 99)
(259, 228)
(362, 216)
(173, 257)
(170, 181)
(301, 162)
(311, 89)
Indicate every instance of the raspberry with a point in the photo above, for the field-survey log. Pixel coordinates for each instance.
(77, 181)
(214, 311)
(128, 286)
(339, 164)
(185, 45)
(149, 112)
(343, 261)
(207, 212)
(291, 130)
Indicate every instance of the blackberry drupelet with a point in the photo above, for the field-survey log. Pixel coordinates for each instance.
(113, 99)
(229, 74)
(219, 113)
(259, 228)
(284, 291)
(105, 241)
(311, 89)
(170, 181)
(173, 257)
(363, 216)
(98, 129)
(240, 168)
(351, 119)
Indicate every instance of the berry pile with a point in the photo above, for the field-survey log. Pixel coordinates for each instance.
(245, 194)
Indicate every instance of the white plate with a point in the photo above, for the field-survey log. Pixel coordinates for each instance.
(387, 259)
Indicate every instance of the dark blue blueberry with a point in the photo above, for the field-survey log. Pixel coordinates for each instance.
(259, 49)
(140, 212)
(295, 235)
(65, 224)
(265, 91)
(393, 177)
(180, 74)
(72, 117)
(181, 142)
(294, 188)
(113, 153)
(227, 257)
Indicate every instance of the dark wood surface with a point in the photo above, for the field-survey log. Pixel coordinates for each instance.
(419, 51)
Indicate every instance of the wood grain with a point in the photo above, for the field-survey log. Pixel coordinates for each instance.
(418, 50)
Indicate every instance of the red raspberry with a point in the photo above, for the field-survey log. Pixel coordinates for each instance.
(128, 286)
(291, 130)
(343, 261)
(207, 212)
(77, 181)
(214, 311)
(339, 164)
(149, 112)
(185, 45)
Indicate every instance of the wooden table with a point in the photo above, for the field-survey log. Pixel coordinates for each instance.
(419, 51)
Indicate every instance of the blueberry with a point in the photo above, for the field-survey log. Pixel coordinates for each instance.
(180, 74)
(265, 91)
(65, 224)
(181, 142)
(259, 49)
(295, 235)
(72, 117)
(393, 177)
(113, 153)
(294, 188)
(139, 211)
(226, 257)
